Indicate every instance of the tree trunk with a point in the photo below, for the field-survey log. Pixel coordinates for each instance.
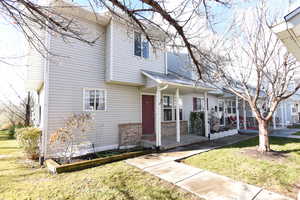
(264, 145)
(27, 112)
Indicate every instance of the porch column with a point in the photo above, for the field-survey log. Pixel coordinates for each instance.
(206, 115)
(237, 113)
(245, 114)
(282, 115)
(285, 114)
(177, 117)
(158, 116)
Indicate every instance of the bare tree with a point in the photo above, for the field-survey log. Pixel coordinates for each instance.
(18, 113)
(257, 68)
(180, 23)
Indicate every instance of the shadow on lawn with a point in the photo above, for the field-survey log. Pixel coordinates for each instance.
(6, 137)
(274, 141)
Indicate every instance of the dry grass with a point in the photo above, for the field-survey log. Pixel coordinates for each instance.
(117, 181)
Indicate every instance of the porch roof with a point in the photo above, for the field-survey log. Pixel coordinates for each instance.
(174, 79)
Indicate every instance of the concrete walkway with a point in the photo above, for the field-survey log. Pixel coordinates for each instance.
(279, 132)
(287, 133)
(200, 182)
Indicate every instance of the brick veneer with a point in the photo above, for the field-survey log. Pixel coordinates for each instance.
(131, 133)
(169, 128)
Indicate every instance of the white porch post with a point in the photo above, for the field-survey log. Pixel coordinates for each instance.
(282, 115)
(285, 114)
(206, 115)
(245, 114)
(177, 117)
(158, 116)
(237, 113)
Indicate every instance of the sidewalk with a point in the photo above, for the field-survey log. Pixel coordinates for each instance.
(287, 133)
(200, 182)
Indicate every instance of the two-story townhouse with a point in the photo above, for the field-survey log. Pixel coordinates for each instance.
(136, 95)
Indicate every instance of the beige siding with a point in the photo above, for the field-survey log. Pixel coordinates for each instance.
(126, 67)
(188, 103)
(187, 100)
(108, 53)
(83, 66)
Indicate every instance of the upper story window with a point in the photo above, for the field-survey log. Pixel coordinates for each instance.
(94, 99)
(141, 45)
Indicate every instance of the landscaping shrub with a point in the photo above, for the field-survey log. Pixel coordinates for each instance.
(67, 136)
(28, 139)
(11, 132)
(197, 123)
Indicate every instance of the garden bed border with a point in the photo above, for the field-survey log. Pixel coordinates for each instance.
(56, 168)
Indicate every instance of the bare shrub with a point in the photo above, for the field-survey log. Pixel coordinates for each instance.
(67, 135)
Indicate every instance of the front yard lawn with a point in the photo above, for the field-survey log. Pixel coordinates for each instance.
(278, 171)
(297, 133)
(23, 180)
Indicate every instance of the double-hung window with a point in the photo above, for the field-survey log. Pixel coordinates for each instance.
(231, 107)
(169, 108)
(141, 45)
(180, 109)
(198, 104)
(295, 108)
(94, 99)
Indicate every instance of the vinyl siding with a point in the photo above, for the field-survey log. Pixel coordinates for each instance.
(126, 67)
(83, 66)
(188, 103)
(108, 48)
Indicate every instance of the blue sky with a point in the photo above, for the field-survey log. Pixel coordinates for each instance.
(11, 41)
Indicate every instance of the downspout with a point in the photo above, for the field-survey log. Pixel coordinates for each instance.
(46, 94)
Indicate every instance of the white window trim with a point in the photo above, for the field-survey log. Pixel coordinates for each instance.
(202, 106)
(224, 111)
(293, 106)
(142, 39)
(105, 99)
(173, 108)
(231, 106)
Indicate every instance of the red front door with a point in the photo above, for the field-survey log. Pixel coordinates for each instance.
(148, 114)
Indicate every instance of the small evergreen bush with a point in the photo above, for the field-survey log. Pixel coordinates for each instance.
(197, 123)
(28, 139)
(11, 131)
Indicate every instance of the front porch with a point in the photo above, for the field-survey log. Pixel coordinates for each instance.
(169, 142)
(171, 103)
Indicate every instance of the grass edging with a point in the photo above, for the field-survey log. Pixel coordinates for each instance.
(56, 168)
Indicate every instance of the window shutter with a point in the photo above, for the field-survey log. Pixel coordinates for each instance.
(194, 103)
